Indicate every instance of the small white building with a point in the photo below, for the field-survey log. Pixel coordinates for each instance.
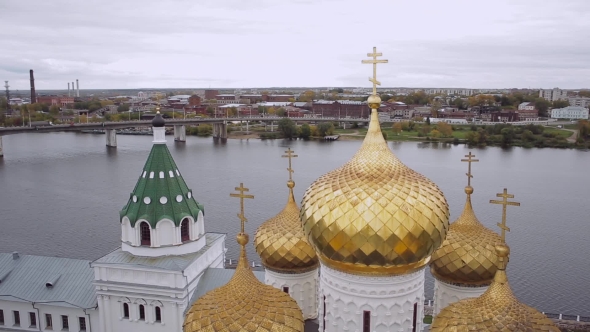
(570, 112)
(526, 106)
(579, 101)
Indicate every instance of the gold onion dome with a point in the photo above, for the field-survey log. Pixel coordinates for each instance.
(280, 241)
(468, 255)
(496, 310)
(244, 304)
(374, 215)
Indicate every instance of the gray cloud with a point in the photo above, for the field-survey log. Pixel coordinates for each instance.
(260, 43)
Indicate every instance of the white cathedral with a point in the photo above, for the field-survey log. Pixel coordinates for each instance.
(351, 258)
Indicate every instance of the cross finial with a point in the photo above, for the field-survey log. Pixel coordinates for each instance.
(469, 160)
(290, 154)
(505, 195)
(374, 61)
(241, 196)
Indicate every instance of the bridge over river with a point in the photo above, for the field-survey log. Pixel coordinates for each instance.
(219, 126)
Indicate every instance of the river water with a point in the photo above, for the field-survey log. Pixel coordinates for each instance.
(61, 193)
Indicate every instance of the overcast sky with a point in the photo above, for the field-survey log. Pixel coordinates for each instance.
(263, 43)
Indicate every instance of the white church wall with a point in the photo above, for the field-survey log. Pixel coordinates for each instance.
(165, 233)
(445, 294)
(302, 288)
(127, 232)
(40, 310)
(169, 250)
(390, 301)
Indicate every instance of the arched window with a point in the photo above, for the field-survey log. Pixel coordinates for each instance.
(141, 312)
(158, 314)
(144, 228)
(184, 228)
(125, 310)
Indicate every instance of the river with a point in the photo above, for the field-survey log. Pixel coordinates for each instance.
(61, 193)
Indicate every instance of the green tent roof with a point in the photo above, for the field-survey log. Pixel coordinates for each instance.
(160, 192)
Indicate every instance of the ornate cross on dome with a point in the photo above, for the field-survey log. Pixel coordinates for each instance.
(374, 61)
(290, 154)
(241, 196)
(469, 160)
(505, 195)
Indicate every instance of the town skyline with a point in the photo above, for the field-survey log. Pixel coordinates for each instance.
(230, 44)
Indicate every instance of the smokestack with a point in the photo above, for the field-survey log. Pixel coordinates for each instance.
(68, 89)
(73, 90)
(77, 88)
(33, 94)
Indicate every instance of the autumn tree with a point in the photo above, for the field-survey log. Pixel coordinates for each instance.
(481, 100)
(561, 103)
(288, 128)
(445, 129)
(307, 96)
(54, 110)
(305, 131)
(434, 108)
(397, 128)
(435, 133)
(325, 129)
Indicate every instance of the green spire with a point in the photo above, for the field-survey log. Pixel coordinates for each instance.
(160, 192)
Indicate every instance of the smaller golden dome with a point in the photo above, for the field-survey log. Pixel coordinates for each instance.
(281, 243)
(496, 310)
(244, 303)
(467, 256)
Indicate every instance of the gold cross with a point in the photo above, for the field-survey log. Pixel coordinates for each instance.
(289, 154)
(469, 160)
(374, 61)
(241, 196)
(505, 195)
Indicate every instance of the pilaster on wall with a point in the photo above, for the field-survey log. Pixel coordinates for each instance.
(446, 294)
(391, 301)
(302, 288)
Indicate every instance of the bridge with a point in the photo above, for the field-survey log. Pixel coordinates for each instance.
(219, 126)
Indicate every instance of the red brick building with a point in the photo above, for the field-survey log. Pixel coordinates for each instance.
(194, 100)
(62, 101)
(340, 108)
(528, 115)
(278, 98)
(210, 94)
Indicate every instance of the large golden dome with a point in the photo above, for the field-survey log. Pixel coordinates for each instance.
(281, 244)
(468, 255)
(244, 304)
(496, 310)
(374, 215)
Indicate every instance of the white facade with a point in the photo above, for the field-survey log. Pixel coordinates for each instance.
(44, 314)
(553, 94)
(570, 112)
(446, 294)
(526, 106)
(392, 303)
(301, 286)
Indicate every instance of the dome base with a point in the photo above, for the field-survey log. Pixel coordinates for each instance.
(388, 302)
(301, 286)
(446, 294)
(374, 270)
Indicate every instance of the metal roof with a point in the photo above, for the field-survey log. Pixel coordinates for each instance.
(215, 278)
(170, 263)
(39, 279)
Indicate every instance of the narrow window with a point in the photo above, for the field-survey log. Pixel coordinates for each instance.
(65, 325)
(366, 321)
(1, 317)
(82, 321)
(125, 310)
(184, 235)
(16, 317)
(324, 317)
(414, 323)
(33, 319)
(141, 312)
(286, 289)
(158, 314)
(48, 322)
(144, 228)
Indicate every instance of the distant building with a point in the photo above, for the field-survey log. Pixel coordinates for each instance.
(62, 101)
(579, 101)
(570, 112)
(528, 115)
(340, 108)
(553, 94)
(451, 92)
(211, 94)
(526, 106)
(278, 98)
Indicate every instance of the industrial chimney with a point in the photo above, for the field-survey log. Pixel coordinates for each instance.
(77, 88)
(68, 89)
(33, 94)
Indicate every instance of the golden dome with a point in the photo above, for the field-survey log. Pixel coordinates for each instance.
(374, 215)
(468, 255)
(496, 310)
(244, 304)
(280, 241)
